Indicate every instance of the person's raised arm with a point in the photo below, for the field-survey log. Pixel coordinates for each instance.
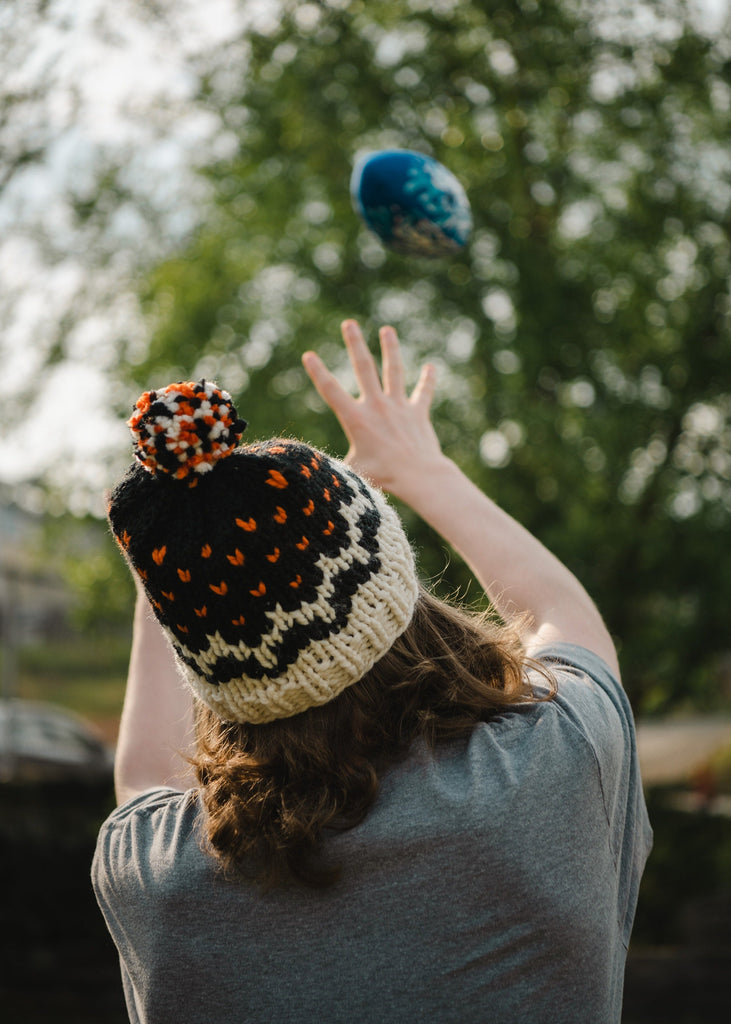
(393, 443)
(157, 719)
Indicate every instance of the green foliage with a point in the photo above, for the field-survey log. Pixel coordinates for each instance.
(86, 673)
(101, 590)
(581, 337)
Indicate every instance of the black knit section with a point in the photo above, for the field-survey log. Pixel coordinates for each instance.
(218, 557)
(300, 635)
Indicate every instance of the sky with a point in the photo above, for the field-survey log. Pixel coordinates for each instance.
(100, 86)
(104, 89)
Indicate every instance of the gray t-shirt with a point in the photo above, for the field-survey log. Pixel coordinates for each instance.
(494, 880)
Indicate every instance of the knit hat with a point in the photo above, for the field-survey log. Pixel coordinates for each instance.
(279, 576)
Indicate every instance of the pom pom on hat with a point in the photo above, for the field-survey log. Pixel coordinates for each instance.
(184, 428)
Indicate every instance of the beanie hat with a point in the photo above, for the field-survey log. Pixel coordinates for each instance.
(279, 576)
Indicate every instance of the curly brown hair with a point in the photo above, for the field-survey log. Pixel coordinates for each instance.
(272, 791)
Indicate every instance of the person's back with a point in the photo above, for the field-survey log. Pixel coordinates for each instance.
(493, 879)
(400, 813)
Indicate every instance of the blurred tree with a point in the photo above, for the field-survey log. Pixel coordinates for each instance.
(100, 587)
(581, 336)
(100, 137)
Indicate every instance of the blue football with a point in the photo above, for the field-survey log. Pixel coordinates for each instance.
(412, 202)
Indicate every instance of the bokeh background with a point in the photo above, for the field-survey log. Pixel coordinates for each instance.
(174, 204)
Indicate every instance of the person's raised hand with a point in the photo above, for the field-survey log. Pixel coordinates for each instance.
(392, 441)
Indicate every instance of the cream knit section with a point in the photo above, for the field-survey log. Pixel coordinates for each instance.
(381, 609)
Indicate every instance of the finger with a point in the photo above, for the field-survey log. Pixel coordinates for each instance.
(393, 367)
(328, 387)
(364, 365)
(423, 393)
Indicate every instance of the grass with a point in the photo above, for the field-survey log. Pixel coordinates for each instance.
(83, 673)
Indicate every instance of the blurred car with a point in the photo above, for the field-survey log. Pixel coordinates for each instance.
(41, 741)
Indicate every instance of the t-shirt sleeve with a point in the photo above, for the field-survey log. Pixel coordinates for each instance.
(134, 862)
(591, 697)
(136, 839)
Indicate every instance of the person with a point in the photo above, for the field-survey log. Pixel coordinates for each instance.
(378, 806)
